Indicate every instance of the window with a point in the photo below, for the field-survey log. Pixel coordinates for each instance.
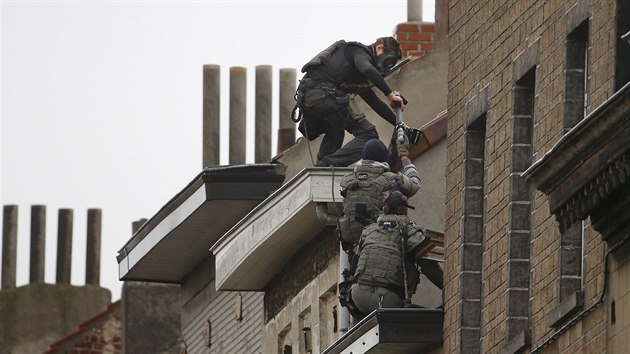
(519, 236)
(622, 66)
(473, 221)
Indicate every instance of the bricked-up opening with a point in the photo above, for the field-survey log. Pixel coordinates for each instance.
(622, 64)
(520, 205)
(472, 238)
(576, 80)
(575, 99)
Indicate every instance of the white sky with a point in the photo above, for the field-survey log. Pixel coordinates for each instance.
(102, 100)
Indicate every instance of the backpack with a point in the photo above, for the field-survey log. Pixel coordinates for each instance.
(362, 191)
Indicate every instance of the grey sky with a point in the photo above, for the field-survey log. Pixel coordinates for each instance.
(101, 100)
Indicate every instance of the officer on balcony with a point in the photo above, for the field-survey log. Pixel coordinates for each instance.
(387, 275)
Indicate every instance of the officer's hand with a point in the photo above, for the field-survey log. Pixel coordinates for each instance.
(403, 148)
(395, 101)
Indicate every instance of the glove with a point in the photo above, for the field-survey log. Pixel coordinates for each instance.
(403, 148)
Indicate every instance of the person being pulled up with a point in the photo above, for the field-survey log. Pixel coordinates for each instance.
(324, 97)
(386, 274)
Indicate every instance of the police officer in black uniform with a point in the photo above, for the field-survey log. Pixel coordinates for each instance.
(324, 96)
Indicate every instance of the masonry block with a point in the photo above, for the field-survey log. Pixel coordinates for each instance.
(522, 130)
(520, 216)
(519, 244)
(518, 302)
(471, 257)
(473, 229)
(518, 273)
(471, 313)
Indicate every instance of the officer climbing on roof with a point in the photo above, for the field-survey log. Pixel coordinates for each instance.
(387, 274)
(324, 97)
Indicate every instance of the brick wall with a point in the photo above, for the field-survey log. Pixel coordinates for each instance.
(99, 335)
(486, 38)
(415, 38)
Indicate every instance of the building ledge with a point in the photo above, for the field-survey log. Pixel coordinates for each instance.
(177, 238)
(589, 165)
(257, 247)
(393, 331)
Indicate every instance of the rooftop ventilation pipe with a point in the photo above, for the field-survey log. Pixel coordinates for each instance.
(211, 115)
(9, 246)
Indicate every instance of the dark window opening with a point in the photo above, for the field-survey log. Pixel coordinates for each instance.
(622, 65)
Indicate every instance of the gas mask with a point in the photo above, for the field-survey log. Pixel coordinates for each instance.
(386, 61)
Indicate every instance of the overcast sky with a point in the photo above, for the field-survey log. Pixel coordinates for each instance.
(102, 100)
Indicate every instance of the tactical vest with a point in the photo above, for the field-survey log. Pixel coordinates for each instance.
(331, 64)
(362, 191)
(380, 261)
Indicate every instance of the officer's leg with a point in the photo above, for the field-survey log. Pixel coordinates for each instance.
(332, 141)
(388, 298)
(364, 297)
(355, 122)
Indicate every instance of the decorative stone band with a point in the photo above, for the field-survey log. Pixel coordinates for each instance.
(590, 196)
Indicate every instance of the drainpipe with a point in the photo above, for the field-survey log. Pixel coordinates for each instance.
(343, 316)
(321, 210)
(343, 313)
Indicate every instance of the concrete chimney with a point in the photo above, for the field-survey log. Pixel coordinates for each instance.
(64, 246)
(238, 111)
(263, 113)
(211, 115)
(286, 127)
(9, 245)
(38, 243)
(93, 249)
(414, 10)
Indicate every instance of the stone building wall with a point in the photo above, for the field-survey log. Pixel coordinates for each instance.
(494, 45)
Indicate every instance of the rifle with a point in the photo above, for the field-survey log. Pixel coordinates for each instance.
(403, 250)
(412, 134)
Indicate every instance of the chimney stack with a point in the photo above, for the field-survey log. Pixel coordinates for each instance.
(238, 119)
(9, 245)
(263, 113)
(64, 246)
(286, 127)
(93, 249)
(38, 243)
(211, 115)
(415, 36)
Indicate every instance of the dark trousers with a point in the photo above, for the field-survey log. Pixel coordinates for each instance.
(350, 119)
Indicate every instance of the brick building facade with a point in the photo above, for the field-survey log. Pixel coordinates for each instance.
(522, 75)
